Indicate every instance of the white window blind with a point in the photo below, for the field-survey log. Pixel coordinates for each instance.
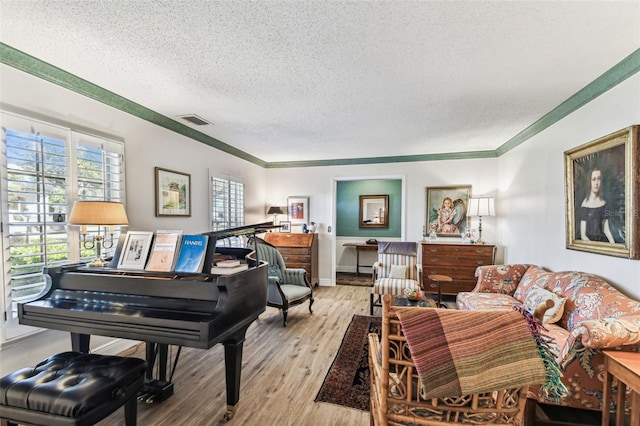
(45, 169)
(227, 204)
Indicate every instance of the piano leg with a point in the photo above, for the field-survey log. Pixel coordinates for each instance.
(80, 342)
(233, 368)
(160, 352)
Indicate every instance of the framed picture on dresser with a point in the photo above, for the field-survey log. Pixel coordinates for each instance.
(602, 184)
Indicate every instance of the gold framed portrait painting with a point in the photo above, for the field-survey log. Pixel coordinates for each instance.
(446, 213)
(601, 188)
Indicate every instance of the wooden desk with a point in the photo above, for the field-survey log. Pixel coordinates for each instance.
(361, 247)
(624, 366)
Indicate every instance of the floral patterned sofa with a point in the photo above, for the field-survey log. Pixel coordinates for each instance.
(589, 315)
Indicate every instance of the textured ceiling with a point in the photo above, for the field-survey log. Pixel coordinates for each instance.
(315, 80)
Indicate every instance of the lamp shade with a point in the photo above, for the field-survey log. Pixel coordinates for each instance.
(481, 206)
(98, 213)
(275, 210)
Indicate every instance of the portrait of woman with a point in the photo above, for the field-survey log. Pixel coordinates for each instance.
(602, 180)
(593, 213)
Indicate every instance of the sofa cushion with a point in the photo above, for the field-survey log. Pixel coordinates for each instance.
(469, 301)
(537, 295)
(534, 275)
(499, 278)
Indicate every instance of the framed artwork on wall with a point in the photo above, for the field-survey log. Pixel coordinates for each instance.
(298, 210)
(374, 211)
(602, 184)
(447, 210)
(173, 193)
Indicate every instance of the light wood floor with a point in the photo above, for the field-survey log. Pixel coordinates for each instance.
(282, 370)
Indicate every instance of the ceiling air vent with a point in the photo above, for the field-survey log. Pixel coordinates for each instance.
(194, 119)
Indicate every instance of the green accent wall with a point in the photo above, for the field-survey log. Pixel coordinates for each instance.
(348, 207)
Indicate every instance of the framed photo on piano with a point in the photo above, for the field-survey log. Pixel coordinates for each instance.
(135, 250)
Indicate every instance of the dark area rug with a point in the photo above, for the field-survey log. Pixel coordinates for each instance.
(347, 381)
(346, 278)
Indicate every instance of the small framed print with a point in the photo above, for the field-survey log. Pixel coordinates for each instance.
(173, 193)
(285, 226)
(602, 184)
(298, 210)
(135, 250)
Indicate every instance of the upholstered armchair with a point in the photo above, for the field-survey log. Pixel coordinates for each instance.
(396, 269)
(287, 286)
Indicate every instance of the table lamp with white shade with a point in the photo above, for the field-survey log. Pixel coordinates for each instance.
(481, 206)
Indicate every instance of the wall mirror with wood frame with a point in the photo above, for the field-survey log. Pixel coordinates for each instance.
(374, 211)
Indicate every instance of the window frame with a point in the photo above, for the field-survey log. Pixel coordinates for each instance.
(76, 142)
(232, 204)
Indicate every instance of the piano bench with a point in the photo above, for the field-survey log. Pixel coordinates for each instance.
(72, 388)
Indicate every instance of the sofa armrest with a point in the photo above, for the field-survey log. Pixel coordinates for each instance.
(607, 332)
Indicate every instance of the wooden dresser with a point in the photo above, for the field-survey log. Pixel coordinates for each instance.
(298, 251)
(459, 261)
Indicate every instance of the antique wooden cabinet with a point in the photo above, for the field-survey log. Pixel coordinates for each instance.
(459, 261)
(298, 251)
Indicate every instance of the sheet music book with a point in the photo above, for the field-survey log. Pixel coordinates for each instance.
(226, 270)
(192, 252)
(164, 251)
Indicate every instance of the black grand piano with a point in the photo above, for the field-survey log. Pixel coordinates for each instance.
(160, 308)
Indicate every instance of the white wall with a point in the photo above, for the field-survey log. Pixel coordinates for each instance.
(531, 202)
(318, 183)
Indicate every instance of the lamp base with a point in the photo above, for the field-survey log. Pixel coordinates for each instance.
(98, 263)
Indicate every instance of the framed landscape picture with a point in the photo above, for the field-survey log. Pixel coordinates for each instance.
(298, 210)
(173, 193)
(447, 210)
(601, 188)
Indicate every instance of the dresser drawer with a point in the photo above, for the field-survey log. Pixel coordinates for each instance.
(461, 250)
(291, 260)
(455, 272)
(456, 260)
(294, 250)
(451, 288)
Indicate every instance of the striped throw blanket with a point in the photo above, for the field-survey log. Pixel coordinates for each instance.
(463, 352)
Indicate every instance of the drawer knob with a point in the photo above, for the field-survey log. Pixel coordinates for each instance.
(433, 285)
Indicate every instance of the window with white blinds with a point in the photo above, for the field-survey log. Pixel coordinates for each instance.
(45, 169)
(227, 204)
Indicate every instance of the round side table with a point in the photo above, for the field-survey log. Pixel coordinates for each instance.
(439, 279)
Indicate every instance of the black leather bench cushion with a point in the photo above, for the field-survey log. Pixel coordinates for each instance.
(70, 384)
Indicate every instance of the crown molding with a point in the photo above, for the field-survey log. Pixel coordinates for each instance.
(34, 66)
